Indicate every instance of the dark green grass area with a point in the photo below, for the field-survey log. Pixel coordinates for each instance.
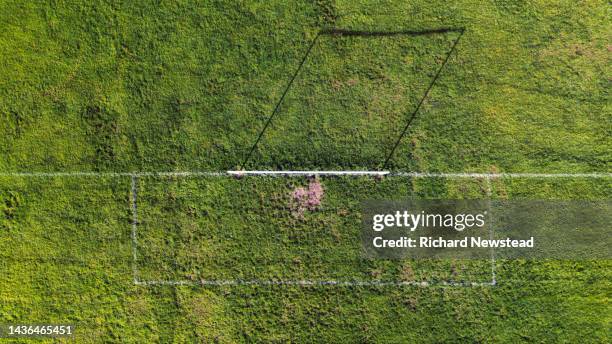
(189, 86)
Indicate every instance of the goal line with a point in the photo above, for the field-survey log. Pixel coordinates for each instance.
(289, 173)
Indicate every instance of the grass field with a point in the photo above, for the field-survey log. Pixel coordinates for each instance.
(110, 87)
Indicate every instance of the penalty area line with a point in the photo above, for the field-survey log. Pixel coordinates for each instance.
(421, 174)
(313, 283)
(134, 207)
(305, 173)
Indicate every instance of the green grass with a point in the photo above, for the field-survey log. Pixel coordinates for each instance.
(227, 229)
(116, 87)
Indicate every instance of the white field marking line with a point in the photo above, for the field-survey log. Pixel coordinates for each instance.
(489, 195)
(306, 173)
(503, 175)
(313, 283)
(134, 226)
(114, 174)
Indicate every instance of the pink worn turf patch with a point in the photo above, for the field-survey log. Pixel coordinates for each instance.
(303, 199)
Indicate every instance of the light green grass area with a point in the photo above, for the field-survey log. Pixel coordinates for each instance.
(189, 86)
